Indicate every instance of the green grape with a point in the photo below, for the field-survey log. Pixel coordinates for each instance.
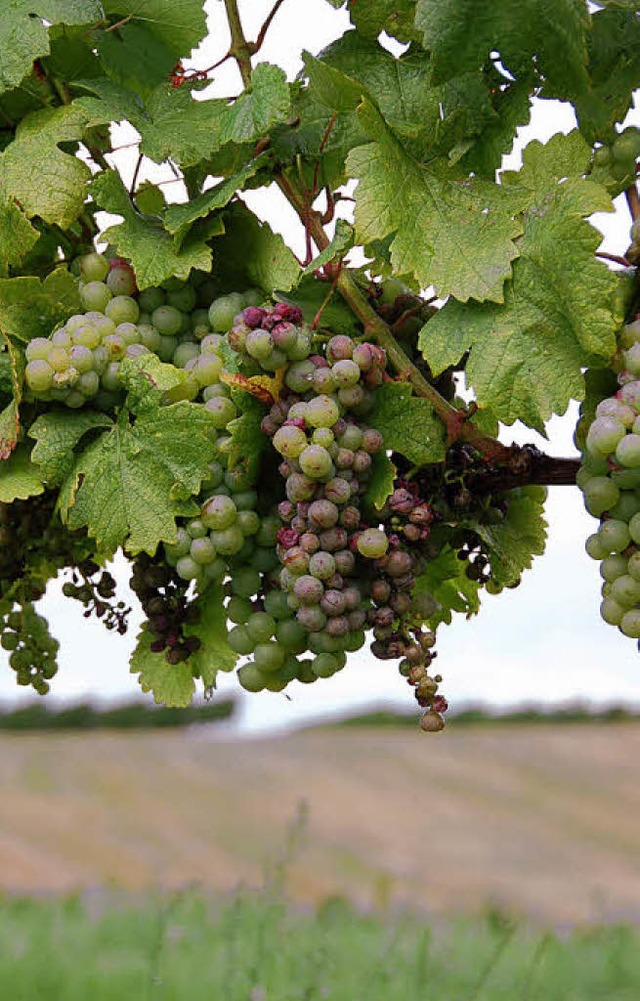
(604, 435)
(166, 347)
(216, 570)
(316, 462)
(372, 543)
(202, 550)
(268, 531)
(245, 582)
(88, 384)
(634, 529)
(301, 350)
(95, 295)
(207, 369)
(346, 373)
(628, 451)
(290, 441)
(59, 359)
(121, 280)
(600, 494)
(322, 411)
(259, 344)
(261, 627)
(228, 541)
(223, 310)
(183, 298)
(249, 521)
(630, 623)
(239, 610)
(275, 604)
(627, 506)
(110, 379)
(291, 635)
(122, 309)
(188, 569)
(94, 267)
(115, 346)
(87, 336)
(298, 376)
(184, 353)
(615, 535)
(240, 640)
(250, 677)
(150, 299)
(180, 547)
(37, 349)
(81, 358)
(39, 376)
(197, 528)
(325, 665)
(613, 567)
(149, 336)
(167, 320)
(223, 410)
(633, 565)
(219, 512)
(268, 656)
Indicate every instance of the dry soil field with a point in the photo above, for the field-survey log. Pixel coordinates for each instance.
(542, 820)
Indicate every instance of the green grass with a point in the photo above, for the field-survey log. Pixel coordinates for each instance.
(252, 948)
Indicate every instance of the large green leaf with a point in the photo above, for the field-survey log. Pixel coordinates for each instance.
(179, 219)
(57, 435)
(144, 240)
(552, 34)
(215, 654)
(127, 486)
(171, 684)
(24, 36)
(408, 424)
(34, 170)
(10, 416)
(434, 214)
(527, 355)
(188, 131)
(513, 542)
(179, 24)
(19, 477)
(250, 252)
(17, 235)
(614, 72)
(30, 308)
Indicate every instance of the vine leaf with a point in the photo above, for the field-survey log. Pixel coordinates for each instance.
(408, 424)
(270, 265)
(215, 654)
(179, 24)
(10, 416)
(17, 235)
(127, 486)
(171, 684)
(34, 170)
(57, 434)
(144, 240)
(19, 477)
(190, 131)
(527, 356)
(432, 215)
(180, 218)
(513, 542)
(381, 483)
(30, 308)
(445, 585)
(248, 441)
(24, 38)
(461, 34)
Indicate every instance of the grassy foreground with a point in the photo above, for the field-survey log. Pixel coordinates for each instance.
(253, 948)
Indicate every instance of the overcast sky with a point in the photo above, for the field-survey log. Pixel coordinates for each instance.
(542, 642)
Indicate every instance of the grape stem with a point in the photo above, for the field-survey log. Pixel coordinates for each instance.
(633, 201)
(457, 422)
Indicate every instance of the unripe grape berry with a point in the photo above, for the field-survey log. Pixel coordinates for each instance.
(373, 543)
(322, 412)
(309, 590)
(312, 618)
(315, 462)
(339, 348)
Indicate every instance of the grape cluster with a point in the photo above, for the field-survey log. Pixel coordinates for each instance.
(32, 649)
(80, 361)
(95, 588)
(163, 596)
(618, 160)
(610, 482)
(270, 338)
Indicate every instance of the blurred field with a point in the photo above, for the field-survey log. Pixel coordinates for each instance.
(542, 821)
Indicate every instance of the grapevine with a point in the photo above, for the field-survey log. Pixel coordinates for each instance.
(299, 457)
